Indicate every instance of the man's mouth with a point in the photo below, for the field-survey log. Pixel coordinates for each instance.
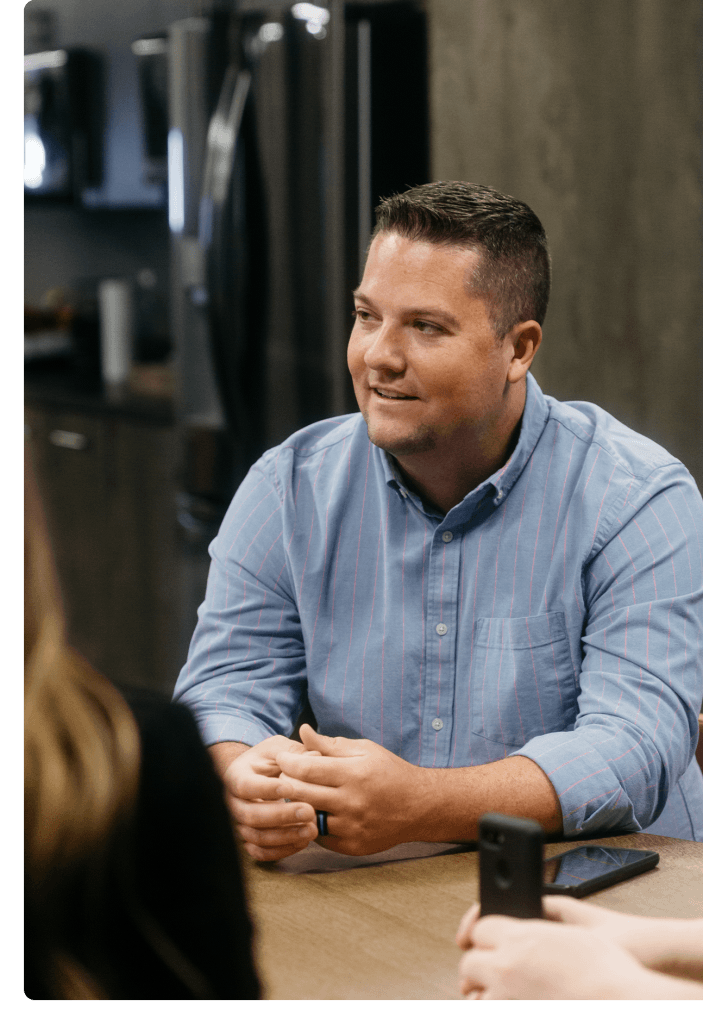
(393, 394)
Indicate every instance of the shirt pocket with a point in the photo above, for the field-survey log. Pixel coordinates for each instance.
(523, 682)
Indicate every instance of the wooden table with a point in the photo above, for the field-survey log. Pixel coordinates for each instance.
(386, 930)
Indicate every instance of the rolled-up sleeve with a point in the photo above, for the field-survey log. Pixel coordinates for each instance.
(245, 675)
(641, 678)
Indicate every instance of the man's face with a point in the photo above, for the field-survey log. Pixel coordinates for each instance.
(428, 371)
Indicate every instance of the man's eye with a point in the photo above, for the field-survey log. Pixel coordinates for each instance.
(425, 328)
(361, 314)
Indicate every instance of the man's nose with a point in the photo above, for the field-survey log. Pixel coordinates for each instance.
(386, 351)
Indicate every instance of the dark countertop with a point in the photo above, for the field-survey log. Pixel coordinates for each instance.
(52, 382)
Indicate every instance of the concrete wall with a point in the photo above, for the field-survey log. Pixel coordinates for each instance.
(590, 111)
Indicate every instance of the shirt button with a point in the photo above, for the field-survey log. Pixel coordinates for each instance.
(437, 724)
(498, 498)
(447, 536)
(403, 494)
(441, 628)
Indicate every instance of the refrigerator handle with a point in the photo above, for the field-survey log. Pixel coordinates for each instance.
(221, 146)
(214, 230)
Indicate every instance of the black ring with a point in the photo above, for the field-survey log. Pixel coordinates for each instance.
(322, 823)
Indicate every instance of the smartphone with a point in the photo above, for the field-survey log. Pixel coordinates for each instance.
(510, 853)
(589, 868)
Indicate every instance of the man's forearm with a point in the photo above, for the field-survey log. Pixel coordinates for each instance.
(223, 754)
(450, 801)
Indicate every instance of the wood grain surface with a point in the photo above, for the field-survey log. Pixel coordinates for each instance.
(386, 930)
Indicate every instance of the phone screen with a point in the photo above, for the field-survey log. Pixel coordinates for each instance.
(587, 863)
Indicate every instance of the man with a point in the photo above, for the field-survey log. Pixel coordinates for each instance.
(491, 599)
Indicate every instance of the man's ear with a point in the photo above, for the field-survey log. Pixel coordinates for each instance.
(524, 338)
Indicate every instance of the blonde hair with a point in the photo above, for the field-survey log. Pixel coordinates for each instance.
(81, 754)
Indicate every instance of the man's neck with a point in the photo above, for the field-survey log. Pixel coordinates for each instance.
(444, 478)
(442, 488)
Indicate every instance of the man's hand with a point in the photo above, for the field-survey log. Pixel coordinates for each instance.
(375, 800)
(367, 791)
(270, 828)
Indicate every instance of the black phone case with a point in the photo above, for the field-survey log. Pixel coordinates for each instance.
(605, 880)
(510, 866)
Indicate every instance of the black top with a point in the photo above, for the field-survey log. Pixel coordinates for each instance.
(169, 918)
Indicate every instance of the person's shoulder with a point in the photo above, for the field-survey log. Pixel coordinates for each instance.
(318, 436)
(305, 444)
(634, 453)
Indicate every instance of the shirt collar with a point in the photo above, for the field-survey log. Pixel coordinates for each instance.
(534, 419)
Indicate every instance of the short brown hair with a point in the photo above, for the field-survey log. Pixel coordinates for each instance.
(514, 273)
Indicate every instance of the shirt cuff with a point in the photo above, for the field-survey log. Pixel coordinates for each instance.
(218, 728)
(591, 795)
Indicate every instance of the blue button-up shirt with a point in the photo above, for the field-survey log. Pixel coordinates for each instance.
(556, 612)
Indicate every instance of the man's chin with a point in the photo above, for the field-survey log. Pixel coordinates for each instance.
(416, 443)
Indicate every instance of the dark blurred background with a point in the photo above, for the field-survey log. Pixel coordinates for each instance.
(152, 375)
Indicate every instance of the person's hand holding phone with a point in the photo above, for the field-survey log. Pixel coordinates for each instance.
(579, 951)
(638, 935)
(509, 958)
(663, 944)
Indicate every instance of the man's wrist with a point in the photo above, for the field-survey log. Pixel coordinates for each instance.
(439, 806)
(224, 753)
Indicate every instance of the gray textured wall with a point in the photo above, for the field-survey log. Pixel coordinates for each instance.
(590, 111)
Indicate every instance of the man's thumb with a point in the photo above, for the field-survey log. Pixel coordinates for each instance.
(331, 746)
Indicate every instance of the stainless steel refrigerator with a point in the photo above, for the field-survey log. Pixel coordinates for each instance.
(287, 123)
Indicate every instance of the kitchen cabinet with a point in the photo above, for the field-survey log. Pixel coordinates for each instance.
(107, 484)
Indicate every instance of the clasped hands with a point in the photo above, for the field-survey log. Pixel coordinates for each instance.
(274, 788)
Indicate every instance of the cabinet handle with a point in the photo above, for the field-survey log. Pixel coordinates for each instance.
(68, 439)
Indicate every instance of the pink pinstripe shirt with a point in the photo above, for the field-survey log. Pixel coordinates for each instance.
(556, 612)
